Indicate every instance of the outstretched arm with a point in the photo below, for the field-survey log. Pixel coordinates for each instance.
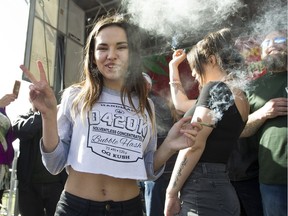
(182, 135)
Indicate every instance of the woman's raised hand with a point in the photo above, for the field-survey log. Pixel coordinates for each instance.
(6, 100)
(178, 56)
(41, 94)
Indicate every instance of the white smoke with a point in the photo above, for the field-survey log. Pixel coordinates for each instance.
(168, 17)
(177, 19)
(272, 15)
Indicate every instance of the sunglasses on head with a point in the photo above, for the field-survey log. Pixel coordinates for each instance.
(276, 40)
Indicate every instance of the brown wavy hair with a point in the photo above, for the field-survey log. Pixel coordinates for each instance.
(91, 84)
(220, 44)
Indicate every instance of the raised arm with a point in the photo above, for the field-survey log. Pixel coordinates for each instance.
(179, 98)
(43, 98)
(6, 100)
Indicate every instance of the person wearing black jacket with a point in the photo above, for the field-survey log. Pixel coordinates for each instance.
(39, 191)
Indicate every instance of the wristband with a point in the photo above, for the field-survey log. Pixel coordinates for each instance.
(175, 82)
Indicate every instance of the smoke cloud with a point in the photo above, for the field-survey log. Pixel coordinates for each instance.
(167, 17)
(271, 15)
(182, 21)
(176, 21)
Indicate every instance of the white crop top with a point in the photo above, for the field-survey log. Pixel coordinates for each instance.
(112, 139)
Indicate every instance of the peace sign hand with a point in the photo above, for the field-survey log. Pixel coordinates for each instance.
(41, 95)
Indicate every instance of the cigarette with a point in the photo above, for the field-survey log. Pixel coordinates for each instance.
(207, 125)
(178, 53)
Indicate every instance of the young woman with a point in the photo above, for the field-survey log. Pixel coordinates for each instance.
(106, 134)
(200, 173)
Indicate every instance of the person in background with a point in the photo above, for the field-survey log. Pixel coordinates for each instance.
(6, 147)
(268, 123)
(200, 184)
(165, 118)
(104, 133)
(38, 190)
(242, 165)
(243, 171)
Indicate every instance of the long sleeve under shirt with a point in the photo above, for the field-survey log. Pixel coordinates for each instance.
(217, 96)
(112, 139)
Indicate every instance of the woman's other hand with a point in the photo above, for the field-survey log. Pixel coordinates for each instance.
(7, 99)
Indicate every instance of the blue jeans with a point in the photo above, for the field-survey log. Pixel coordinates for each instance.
(71, 205)
(155, 192)
(208, 191)
(274, 199)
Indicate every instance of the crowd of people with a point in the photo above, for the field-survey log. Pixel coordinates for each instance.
(224, 153)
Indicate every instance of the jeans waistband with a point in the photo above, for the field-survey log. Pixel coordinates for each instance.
(210, 167)
(74, 205)
(123, 204)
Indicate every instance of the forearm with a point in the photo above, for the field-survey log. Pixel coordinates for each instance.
(179, 98)
(180, 136)
(50, 133)
(255, 121)
(173, 72)
(161, 155)
(185, 163)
